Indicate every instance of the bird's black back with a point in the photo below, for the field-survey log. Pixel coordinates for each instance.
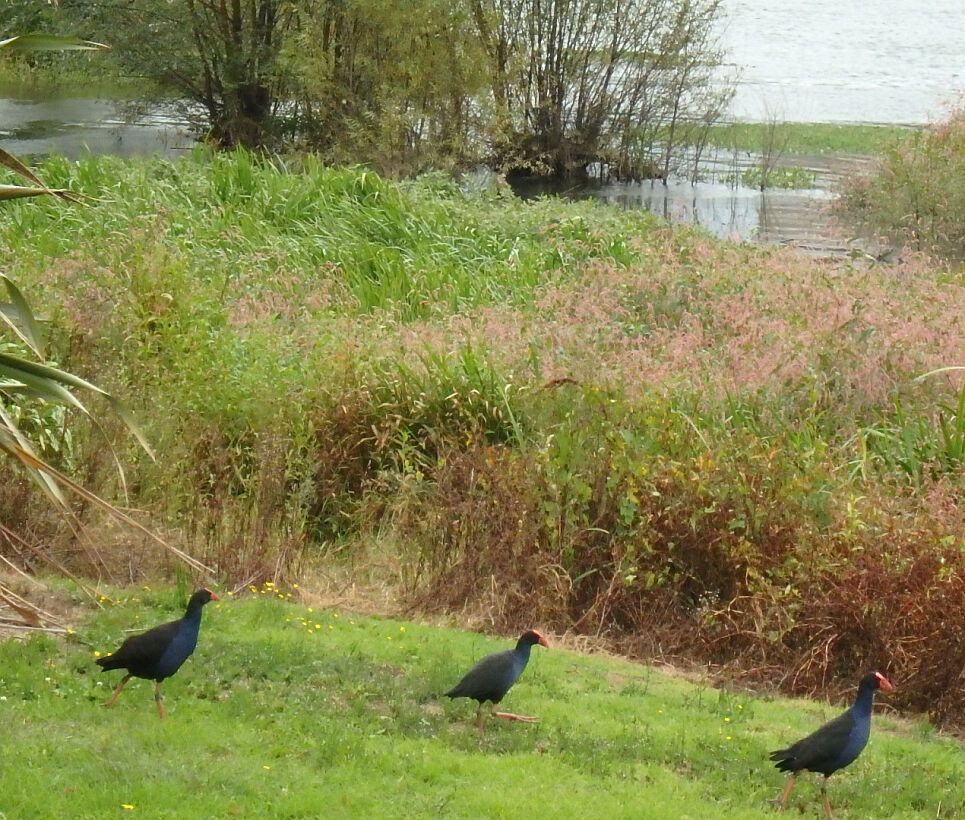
(140, 654)
(821, 750)
(490, 679)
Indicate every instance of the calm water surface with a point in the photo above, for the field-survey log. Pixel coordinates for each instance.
(881, 61)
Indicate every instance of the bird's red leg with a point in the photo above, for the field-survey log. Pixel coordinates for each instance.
(157, 699)
(824, 797)
(480, 718)
(511, 716)
(113, 698)
(782, 800)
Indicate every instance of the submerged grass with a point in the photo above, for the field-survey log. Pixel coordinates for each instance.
(810, 138)
(291, 711)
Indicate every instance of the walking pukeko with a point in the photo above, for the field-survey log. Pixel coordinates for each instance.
(158, 653)
(494, 676)
(836, 744)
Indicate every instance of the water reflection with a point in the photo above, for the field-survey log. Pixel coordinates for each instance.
(736, 213)
(76, 127)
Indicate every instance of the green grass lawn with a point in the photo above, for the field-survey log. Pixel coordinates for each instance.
(285, 711)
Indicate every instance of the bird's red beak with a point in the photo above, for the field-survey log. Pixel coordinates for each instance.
(214, 596)
(543, 641)
(884, 682)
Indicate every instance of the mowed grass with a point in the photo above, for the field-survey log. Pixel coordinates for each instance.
(291, 711)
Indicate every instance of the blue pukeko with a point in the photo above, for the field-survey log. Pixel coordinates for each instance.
(494, 676)
(836, 744)
(158, 653)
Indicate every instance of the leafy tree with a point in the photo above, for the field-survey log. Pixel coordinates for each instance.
(579, 81)
(355, 79)
(219, 55)
(396, 89)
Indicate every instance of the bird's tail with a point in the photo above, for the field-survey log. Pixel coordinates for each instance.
(784, 760)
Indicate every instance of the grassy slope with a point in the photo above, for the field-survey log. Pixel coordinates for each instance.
(288, 712)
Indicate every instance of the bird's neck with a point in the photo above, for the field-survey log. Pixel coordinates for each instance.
(192, 617)
(523, 650)
(864, 703)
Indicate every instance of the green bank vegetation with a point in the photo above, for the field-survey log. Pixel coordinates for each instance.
(553, 412)
(916, 195)
(293, 710)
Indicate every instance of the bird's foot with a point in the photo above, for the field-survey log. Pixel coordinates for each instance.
(519, 718)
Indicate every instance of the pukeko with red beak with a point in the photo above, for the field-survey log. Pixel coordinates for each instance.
(494, 676)
(158, 653)
(836, 744)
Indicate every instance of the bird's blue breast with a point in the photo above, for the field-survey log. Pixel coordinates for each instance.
(179, 650)
(857, 740)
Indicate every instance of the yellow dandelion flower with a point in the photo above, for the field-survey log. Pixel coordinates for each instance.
(729, 737)
(726, 720)
(401, 629)
(310, 609)
(127, 806)
(294, 586)
(318, 626)
(266, 768)
(97, 654)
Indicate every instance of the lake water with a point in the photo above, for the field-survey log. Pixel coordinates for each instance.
(75, 127)
(878, 61)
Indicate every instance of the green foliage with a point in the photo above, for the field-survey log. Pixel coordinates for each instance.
(579, 83)
(311, 712)
(917, 196)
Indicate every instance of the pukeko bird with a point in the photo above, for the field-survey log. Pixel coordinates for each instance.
(158, 653)
(836, 744)
(494, 676)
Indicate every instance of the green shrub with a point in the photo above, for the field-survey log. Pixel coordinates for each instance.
(917, 195)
